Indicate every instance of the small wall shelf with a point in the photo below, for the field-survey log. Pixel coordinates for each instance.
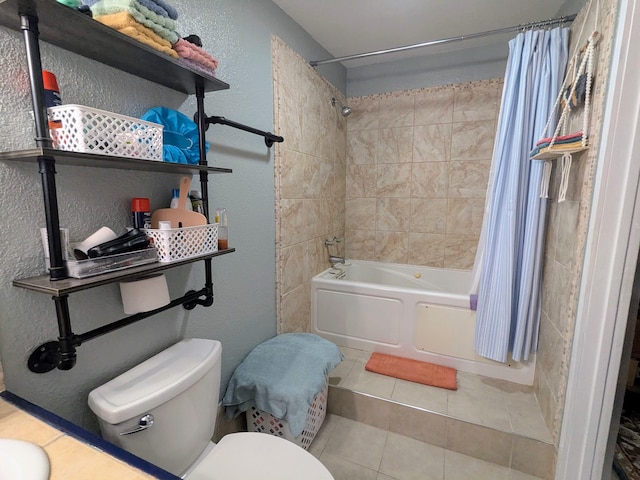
(557, 152)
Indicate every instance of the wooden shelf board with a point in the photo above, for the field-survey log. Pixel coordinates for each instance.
(106, 161)
(557, 152)
(59, 288)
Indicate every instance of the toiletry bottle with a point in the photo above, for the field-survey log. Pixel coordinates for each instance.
(141, 212)
(175, 198)
(223, 231)
(196, 201)
(52, 96)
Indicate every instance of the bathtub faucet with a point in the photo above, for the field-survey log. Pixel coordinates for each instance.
(333, 260)
(332, 242)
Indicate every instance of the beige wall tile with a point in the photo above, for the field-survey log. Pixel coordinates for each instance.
(460, 251)
(427, 249)
(360, 244)
(428, 215)
(291, 174)
(392, 214)
(469, 179)
(362, 180)
(430, 180)
(464, 216)
(472, 140)
(396, 110)
(391, 247)
(360, 213)
(434, 106)
(364, 115)
(432, 143)
(393, 180)
(479, 103)
(362, 147)
(395, 145)
(432, 186)
(296, 310)
(292, 264)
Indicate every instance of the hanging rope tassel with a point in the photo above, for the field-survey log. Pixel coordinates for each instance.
(546, 179)
(564, 181)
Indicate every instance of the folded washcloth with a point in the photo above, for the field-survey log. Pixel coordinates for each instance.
(173, 13)
(561, 139)
(281, 376)
(165, 27)
(125, 23)
(194, 53)
(154, 7)
(197, 67)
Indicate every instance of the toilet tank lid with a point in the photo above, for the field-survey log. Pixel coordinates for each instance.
(155, 381)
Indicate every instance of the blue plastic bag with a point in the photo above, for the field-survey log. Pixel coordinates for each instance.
(180, 140)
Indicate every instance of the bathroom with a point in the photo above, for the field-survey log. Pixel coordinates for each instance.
(250, 288)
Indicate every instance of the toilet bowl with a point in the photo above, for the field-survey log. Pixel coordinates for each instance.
(164, 410)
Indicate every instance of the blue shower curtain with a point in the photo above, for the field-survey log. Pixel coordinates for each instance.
(510, 256)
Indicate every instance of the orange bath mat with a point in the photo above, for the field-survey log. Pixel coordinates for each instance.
(413, 370)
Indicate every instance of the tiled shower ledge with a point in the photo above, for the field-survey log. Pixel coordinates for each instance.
(489, 419)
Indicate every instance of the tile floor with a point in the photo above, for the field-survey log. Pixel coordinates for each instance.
(356, 451)
(493, 403)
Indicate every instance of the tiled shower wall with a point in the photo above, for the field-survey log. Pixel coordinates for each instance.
(567, 228)
(417, 170)
(309, 179)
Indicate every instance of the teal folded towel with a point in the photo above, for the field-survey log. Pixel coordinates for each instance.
(281, 376)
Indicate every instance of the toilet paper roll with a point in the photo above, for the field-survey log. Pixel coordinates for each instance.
(104, 234)
(145, 294)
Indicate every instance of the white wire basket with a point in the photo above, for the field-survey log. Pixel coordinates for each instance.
(264, 422)
(181, 243)
(89, 130)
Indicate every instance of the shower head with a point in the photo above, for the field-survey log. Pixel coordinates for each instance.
(346, 110)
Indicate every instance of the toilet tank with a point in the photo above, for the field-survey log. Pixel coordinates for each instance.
(179, 387)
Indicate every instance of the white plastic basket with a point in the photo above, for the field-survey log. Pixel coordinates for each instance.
(264, 422)
(187, 242)
(89, 130)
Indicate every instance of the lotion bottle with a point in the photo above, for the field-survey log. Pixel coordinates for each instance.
(223, 230)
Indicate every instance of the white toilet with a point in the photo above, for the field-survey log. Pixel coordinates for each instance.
(164, 411)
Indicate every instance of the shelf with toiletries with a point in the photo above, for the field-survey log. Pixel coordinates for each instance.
(76, 32)
(58, 288)
(57, 24)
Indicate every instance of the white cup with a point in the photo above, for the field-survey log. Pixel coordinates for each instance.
(104, 234)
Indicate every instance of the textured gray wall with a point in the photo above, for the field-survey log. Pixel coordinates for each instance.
(239, 34)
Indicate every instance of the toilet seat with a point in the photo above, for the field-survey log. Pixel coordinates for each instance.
(251, 455)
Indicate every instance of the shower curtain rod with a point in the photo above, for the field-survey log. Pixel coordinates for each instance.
(524, 26)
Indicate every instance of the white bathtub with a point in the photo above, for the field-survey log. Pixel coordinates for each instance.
(412, 312)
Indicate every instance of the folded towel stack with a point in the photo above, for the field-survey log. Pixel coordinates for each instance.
(152, 22)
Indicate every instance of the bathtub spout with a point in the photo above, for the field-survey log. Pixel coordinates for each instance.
(333, 260)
